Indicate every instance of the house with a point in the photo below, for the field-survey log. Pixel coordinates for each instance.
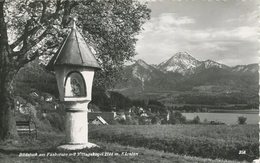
(99, 121)
(108, 117)
(120, 116)
(144, 114)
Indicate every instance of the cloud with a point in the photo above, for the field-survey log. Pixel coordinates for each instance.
(247, 18)
(171, 24)
(163, 37)
(150, 0)
(248, 33)
(225, 32)
(168, 19)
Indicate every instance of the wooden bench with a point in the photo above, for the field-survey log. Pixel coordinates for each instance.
(26, 127)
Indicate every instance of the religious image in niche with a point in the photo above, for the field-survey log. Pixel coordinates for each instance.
(75, 87)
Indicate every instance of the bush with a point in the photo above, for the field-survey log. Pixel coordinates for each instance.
(144, 121)
(155, 120)
(196, 120)
(131, 120)
(241, 120)
(177, 118)
(56, 121)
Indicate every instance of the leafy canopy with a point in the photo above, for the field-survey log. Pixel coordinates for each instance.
(36, 28)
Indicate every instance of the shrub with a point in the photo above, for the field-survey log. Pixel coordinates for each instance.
(57, 121)
(241, 120)
(144, 121)
(196, 120)
(177, 118)
(205, 121)
(155, 120)
(131, 120)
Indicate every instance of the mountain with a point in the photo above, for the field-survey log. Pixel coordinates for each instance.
(136, 76)
(253, 68)
(183, 74)
(142, 71)
(181, 62)
(183, 68)
(209, 63)
(184, 64)
(143, 64)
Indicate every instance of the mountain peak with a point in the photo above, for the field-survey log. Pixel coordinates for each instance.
(182, 55)
(142, 63)
(180, 62)
(209, 60)
(210, 63)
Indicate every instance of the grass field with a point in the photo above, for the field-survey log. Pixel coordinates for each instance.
(220, 141)
(144, 156)
(48, 142)
(248, 133)
(152, 143)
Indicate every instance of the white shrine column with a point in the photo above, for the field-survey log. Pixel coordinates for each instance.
(74, 65)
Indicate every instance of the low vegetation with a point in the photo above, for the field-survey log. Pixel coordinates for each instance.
(241, 120)
(221, 141)
(48, 142)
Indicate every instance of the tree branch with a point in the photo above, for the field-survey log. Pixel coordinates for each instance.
(24, 60)
(31, 32)
(28, 46)
(44, 7)
(25, 34)
(66, 13)
(43, 18)
(68, 6)
(58, 7)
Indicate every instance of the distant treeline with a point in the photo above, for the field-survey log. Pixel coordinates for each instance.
(208, 108)
(114, 101)
(206, 99)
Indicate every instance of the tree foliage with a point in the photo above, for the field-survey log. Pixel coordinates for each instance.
(33, 28)
(177, 118)
(38, 28)
(112, 26)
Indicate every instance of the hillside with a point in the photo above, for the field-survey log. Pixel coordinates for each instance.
(206, 83)
(182, 79)
(34, 80)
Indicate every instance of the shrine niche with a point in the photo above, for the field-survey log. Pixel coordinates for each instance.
(75, 85)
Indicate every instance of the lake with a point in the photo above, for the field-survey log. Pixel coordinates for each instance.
(228, 118)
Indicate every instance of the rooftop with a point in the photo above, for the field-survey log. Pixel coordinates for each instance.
(74, 51)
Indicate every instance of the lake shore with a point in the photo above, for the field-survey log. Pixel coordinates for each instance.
(225, 117)
(248, 111)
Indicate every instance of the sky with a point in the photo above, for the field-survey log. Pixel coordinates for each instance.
(221, 30)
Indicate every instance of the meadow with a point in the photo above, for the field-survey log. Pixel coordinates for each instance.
(208, 141)
(47, 143)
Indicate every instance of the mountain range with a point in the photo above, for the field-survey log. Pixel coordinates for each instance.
(184, 63)
(184, 73)
(180, 80)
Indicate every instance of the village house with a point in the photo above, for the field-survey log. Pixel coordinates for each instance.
(101, 117)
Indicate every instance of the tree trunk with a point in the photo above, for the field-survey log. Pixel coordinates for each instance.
(7, 72)
(7, 118)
